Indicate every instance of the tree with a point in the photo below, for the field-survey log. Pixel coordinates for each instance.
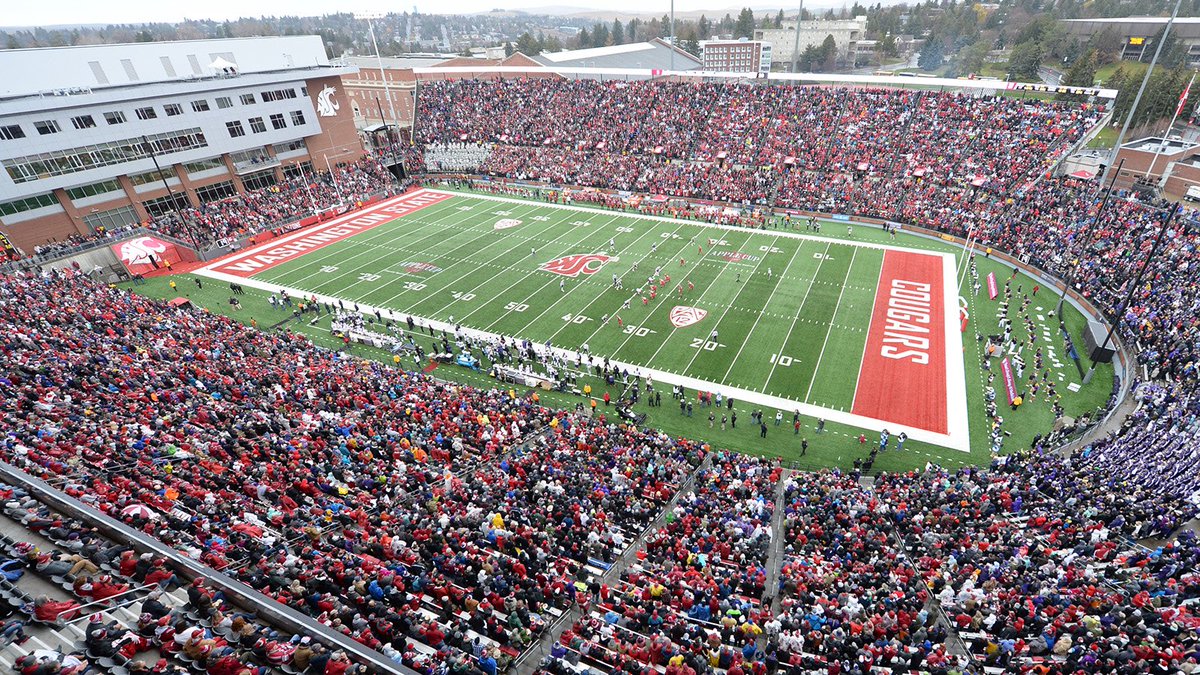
(1025, 60)
(600, 35)
(703, 28)
(584, 39)
(828, 54)
(1082, 72)
(745, 24)
(618, 32)
(887, 46)
(779, 19)
(528, 45)
(631, 32)
(508, 49)
(932, 55)
(971, 59)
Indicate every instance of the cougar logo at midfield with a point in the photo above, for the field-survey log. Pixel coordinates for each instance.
(682, 316)
(141, 250)
(574, 265)
(505, 223)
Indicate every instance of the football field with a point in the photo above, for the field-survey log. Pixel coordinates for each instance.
(856, 332)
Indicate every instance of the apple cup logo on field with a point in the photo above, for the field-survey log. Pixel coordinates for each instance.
(506, 223)
(574, 265)
(682, 317)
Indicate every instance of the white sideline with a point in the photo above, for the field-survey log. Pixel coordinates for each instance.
(958, 429)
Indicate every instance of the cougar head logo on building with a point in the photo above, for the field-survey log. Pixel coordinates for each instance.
(682, 316)
(141, 250)
(326, 105)
(574, 265)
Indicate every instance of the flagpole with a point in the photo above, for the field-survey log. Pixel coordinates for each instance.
(1187, 91)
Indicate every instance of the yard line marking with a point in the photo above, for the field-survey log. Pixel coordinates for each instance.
(321, 255)
(761, 260)
(338, 253)
(829, 330)
(549, 282)
(761, 314)
(577, 286)
(796, 318)
(521, 279)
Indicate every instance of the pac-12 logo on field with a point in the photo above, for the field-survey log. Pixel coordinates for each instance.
(574, 265)
(141, 250)
(505, 223)
(682, 316)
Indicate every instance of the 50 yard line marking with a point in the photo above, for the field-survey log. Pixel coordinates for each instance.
(574, 288)
(800, 308)
(750, 332)
(832, 320)
(543, 287)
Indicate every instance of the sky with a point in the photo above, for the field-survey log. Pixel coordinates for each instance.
(59, 12)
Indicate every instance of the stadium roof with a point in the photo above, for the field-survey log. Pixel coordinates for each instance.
(653, 54)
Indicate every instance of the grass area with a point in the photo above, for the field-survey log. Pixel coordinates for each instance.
(755, 317)
(1103, 73)
(1105, 139)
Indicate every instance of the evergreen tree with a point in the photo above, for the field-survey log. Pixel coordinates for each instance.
(932, 55)
(584, 39)
(745, 24)
(704, 28)
(618, 32)
(779, 19)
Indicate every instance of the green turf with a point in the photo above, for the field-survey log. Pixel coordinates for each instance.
(812, 309)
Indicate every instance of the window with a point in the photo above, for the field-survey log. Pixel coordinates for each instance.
(278, 122)
(173, 109)
(204, 165)
(200, 105)
(115, 117)
(297, 118)
(12, 132)
(290, 146)
(166, 204)
(93, 189)
(47, 127)
(83, 122)
(297, 170)
(256, 125)
(146, 114)
(87, 157)
(113, 219)
(224, 102)
(248, 99)
(27, 204)
(278, 94)
(235, 129)
(257, 181)
(168, 172)
(215, 192)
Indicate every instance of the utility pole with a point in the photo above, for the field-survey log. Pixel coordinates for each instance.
(386, 89)
(1141, 90)
(188, 225)
(1133, 287)
(1087, 240)
(796, 47)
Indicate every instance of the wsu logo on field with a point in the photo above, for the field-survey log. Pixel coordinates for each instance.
(574, 265)
(326, 106)
(682, 316)
(506, 223)
(139, 251)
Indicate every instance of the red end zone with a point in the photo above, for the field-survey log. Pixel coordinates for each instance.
(261, 258)
(903, 373)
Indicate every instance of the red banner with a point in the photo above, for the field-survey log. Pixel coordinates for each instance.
(1010, 382)
(146, 254)
(902, 379)
(991, 283)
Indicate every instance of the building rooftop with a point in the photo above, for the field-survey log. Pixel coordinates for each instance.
(1168, 146)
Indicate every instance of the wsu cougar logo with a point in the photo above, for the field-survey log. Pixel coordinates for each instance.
(141, 250)
(326, 106)
(681, 316)
(574, 265)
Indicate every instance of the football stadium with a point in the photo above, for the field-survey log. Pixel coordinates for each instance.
(586, 372)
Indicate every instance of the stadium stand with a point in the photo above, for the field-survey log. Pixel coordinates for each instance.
(452, 528)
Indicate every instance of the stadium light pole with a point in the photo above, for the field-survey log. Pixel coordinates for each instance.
(796, 46)
(387, 90)
(1141, 90)
(148, 147)
(1087, 241)
(1133, 287)
(672, 35)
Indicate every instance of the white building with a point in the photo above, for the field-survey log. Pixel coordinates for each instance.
(736, 56)
(81, 128)
(846, 35)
